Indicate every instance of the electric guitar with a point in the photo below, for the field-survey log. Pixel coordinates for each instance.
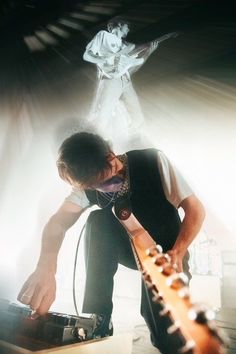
(194, 323)
(131, 57)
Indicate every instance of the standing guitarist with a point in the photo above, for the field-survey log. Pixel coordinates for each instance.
(116, 59)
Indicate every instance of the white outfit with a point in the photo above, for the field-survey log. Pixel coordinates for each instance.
(175, 187)
(116, 111)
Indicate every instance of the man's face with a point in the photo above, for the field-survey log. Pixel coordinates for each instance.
(124, 29)
(112, 184)
(110, 181)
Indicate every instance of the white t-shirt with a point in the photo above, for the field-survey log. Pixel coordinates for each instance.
(175, 187)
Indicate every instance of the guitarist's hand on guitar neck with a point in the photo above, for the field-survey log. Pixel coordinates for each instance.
(168, 36)
(176, 260)
(163, 38)
(145, 50)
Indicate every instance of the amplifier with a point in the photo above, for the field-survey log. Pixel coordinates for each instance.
(53, 329)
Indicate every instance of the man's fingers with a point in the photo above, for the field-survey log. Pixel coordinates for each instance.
(175, 260)
(38, 292)
(25, 299)
(22, 291)
(173, 256)
(26, 294)
(40, 301)
(34, 315)
(38, 296)
(154, 45)
(45, 303)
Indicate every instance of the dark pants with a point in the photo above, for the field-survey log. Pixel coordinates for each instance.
(106, 245)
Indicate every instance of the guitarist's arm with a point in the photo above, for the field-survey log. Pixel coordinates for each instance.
(180, 195)
(39, 291)
(145, 50)
(191, 224)
(94, 58)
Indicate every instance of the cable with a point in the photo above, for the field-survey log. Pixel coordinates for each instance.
(74, 271)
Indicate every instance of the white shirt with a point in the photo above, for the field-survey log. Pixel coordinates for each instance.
(175, 187)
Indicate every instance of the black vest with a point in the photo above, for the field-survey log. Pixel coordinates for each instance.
(149, 204)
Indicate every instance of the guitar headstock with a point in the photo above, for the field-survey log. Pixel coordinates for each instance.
(194, 323)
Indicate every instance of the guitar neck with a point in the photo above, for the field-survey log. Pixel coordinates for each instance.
(163, 279)
(159, 40)
(162, 38)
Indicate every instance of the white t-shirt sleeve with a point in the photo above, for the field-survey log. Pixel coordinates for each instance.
(104, 44)
(95, 44)
(175, 187)
(78, 197)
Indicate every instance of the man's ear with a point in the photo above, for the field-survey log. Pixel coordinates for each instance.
(111, 156)
(111, 159)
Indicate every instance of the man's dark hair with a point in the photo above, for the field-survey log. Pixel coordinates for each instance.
(116, 22)
(83, 157)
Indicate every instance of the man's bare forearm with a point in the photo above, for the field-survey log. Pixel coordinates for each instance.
(39, 290)
(190, 227)
(54, 233)
(53, 236)
(95, 59)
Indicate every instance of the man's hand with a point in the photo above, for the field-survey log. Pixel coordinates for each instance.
(176, 260)
(190, 226)
(154, 46)
(39, 291)
(173, 34)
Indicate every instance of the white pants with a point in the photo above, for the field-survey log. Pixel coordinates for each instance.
(116, 112)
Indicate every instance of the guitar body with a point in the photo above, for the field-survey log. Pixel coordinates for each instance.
(192, 323)
(116, 67)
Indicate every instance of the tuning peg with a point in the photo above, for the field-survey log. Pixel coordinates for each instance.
(161, 259)
(157, 296)
(188, 347)
(165, 311)
(201, 314)
(146, 276)
(152, 251)
(148, 280)
(173, 328)
(168, 269)
(184, 293)
(149, 284)
(177, 281)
